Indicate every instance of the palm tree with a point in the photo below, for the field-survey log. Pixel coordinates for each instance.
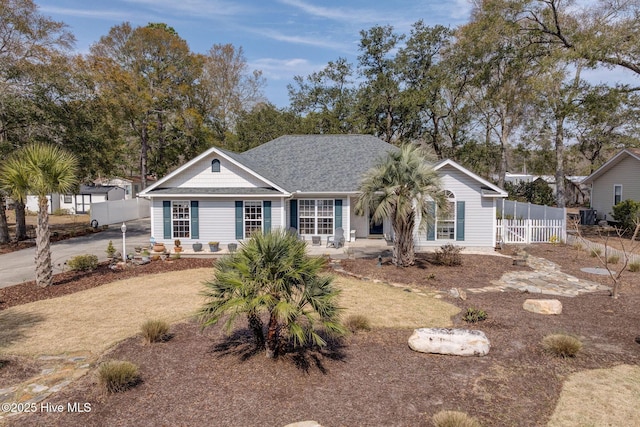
(15, 180)
(271, 276)
(50, 170)
(404, 188)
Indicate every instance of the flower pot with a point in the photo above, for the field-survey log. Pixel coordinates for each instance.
(232, 247)
(197, 247)
(177, 249)
(214, 247)
(158, 247)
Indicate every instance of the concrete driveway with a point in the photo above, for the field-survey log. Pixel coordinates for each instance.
(19, 266)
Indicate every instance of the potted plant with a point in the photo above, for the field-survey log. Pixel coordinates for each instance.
(178, 247)
(158, 247)
(214, 246)
(232, 247)
(197, 246)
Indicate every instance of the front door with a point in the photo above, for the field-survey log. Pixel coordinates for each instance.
(375, 229)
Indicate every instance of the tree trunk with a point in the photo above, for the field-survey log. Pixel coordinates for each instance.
(504, 143)
(255, 324)
(44, 270)
(273, 336)
(144, 147)
(21, 221)
(560, 184)
(4, 226)
(403, 246)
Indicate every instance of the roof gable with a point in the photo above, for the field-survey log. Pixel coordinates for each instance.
(488, 189)
(612, 162)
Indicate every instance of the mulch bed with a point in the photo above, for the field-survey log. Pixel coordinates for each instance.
(205, 377)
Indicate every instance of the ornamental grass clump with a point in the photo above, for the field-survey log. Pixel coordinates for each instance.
(357, 322)
(634, 267)
(562, 345)
(154, 331)
(117, 375)
(474, 315)
(454, 419)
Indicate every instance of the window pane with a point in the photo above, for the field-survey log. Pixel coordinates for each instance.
(180, 219)
(307, 225)
(325, 226)
(325, 208)
(252, 217)
(307, 208)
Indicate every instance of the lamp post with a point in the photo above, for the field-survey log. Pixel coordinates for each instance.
(123, 228)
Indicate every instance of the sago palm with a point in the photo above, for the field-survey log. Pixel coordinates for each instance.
(271, 277)
(402, 187)
(50, 170)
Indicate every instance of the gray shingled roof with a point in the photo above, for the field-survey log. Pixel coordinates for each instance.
(315, 163)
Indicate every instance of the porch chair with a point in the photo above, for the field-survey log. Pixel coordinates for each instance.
(294, 232)
(337, 240)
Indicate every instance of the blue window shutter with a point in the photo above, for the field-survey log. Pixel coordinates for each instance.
(338, 213)
(266, 216)
(460, 221)
(195, 220)
(431, 221)
(239, 222)
(293, 214)
(166, 218)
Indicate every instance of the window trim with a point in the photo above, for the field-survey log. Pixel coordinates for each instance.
(187, 204)
(332, 217)
(258, 203)
(452, 218)
(617, 196)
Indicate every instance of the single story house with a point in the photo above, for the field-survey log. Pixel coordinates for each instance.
(310, 183)
(616, 180)
(79, 203)
(131, 185)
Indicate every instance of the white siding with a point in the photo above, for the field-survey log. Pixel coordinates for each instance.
(625, 173)
(480, 216)
(199, 175)
(217, 220)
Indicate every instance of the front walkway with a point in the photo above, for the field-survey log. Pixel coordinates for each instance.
(546, 278)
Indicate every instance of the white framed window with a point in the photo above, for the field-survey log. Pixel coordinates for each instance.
(67, 198)
(617, 194)
(315, 216)
(446, 220)
(252, 217)
(181, 219)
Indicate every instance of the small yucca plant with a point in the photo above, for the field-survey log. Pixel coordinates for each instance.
(357, 322)
(454, 419)
(117, 375)
(154, 331)
(562, 345)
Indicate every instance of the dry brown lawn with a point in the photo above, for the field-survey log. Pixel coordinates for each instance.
(95, 319)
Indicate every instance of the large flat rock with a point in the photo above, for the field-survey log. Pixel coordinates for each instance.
(543, 306)
(459, 342)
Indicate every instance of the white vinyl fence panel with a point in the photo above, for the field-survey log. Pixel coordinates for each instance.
(525, 231)
(116, 211)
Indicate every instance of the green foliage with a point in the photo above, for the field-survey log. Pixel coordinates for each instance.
(562, 345)
(449, 255)
(537, 192)
(60, 212)
(83, 263)
(357, 322)
(117, 376)
(111, 250)
(595, 252)
(154, 331)
(613, 259)
(271, 274)
(627, 212)
(454, 419)
(474, 315)
(634, 266)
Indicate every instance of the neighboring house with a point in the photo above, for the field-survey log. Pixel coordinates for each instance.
(309, 183)
(616, 180)
(131, 185)
(78, 203)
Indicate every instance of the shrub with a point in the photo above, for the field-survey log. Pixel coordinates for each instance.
(562, 345)
(83, 263)
(474, 315)
(117, 375)
(627, 212)
(613, 259)
(111, 250)
(454, 419)
(449, 255)
(595, 252)
(60, 212)
(357, 322)
(154, 331)
(634, 266)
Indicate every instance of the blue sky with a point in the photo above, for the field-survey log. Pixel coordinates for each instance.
(283, 38)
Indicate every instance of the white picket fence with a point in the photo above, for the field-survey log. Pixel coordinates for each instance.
(525, 231)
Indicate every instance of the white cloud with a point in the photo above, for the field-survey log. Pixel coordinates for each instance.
(336, 13)
(199, 8)
(284, 69)
(86, 13)
(296, 39)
